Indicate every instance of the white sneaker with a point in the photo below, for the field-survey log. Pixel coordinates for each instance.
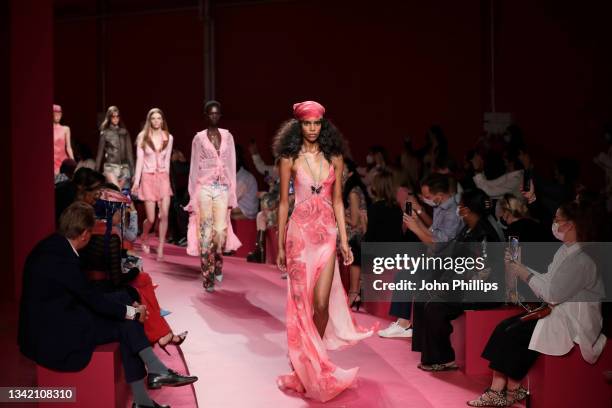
(395, 330)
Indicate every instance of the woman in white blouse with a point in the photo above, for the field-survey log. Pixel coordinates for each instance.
(573, 288)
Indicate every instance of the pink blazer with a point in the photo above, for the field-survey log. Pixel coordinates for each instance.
(151, 161)
(206, 167)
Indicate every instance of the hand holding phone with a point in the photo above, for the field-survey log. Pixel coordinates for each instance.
(408, 208)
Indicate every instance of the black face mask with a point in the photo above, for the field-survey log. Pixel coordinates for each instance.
(503, 222)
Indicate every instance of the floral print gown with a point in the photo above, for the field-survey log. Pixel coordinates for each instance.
(310, 242)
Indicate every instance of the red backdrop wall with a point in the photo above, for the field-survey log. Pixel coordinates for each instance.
(383, 72)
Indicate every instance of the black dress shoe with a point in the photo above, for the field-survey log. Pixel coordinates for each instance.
(171, 379)
(155, 405)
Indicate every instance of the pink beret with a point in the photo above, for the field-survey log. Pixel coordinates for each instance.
(308, 109)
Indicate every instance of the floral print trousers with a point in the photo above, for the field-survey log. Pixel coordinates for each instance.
(213, 200)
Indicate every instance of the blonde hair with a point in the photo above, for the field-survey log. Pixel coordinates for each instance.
(516, 206)
(383, 187)
(145, 135)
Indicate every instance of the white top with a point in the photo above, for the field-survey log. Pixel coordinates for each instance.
(496, 188)
(573, 285)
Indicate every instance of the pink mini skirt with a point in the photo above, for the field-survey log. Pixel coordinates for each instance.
(154, 186)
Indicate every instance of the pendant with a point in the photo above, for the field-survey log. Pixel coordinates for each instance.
(316, 190)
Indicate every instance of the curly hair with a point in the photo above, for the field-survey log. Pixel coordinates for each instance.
(288, 140)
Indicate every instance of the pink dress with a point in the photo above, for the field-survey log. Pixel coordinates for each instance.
(311, 240)
(59, 147)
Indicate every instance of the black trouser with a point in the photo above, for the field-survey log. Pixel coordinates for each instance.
(401, 303)
(508, 348)
(431, 323)
(131, 337)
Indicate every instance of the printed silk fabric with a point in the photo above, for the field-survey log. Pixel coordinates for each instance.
(310, 242)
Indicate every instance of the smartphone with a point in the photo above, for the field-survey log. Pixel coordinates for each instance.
(514, 247)
(526, 180)
(408, 208)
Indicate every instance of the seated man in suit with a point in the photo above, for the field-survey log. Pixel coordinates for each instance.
(62, 318)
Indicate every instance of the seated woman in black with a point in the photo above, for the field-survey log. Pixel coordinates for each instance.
(434, 311)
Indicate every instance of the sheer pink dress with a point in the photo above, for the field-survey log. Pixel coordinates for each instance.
(310, 242)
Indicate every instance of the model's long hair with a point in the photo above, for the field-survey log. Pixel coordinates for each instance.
(288, 140)
(107, 118)
(145, 134)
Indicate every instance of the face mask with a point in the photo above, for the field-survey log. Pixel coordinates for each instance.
(503, 222)
(458, 211)
(558, 234)
(369, 159)
(430, 202)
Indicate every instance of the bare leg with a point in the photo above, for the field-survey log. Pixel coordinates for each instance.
(148, 224)
(499, 381)
(163, 225)
(321, 295)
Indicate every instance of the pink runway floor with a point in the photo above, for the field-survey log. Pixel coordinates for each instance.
(237, 344)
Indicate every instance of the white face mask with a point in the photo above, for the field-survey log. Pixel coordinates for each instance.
(430, 202)
(558, 234)
(369, 159)
(457, 210)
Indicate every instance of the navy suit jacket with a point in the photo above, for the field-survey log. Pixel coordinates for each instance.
(59, 307)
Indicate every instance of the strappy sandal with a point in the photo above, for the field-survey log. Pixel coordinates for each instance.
(516, 395)
(181, 338)
(490, 398)
(439, 367)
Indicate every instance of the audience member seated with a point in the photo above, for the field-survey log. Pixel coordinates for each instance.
(63, 318)
(66, 171)
(514, 213)
(437, 192)
(104, 263)
(356, 202)
(246, 190)
(572, 314)
(84, 184)
(497, 177)
(434, 312)
(178, 219)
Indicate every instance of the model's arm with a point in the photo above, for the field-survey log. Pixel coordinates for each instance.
(193, 172)
(231, 170)
(139, 162)
(68, 144)
(168, 152)
(338, 206)
(100, 151)
(283, 209)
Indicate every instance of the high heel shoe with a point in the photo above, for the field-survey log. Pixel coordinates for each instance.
(182, 336)
(356, 300)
